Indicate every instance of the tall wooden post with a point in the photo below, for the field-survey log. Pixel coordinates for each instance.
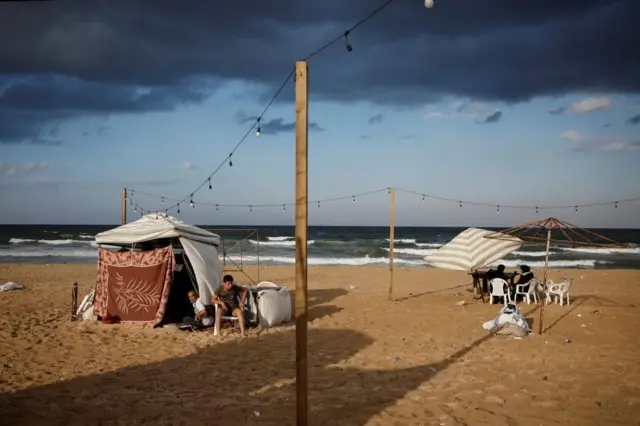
(302, 127)
(392, 231)
(544, 282)
(124, 205)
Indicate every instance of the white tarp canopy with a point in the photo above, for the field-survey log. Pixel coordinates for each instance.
(200, 246)
(470, 250)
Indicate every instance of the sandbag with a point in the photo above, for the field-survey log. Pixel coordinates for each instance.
(274, 306)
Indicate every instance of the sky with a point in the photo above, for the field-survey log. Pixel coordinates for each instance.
(529, 103)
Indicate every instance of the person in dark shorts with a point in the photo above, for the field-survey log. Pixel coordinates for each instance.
(230, 299)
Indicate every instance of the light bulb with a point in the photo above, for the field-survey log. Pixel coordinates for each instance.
(429, 3)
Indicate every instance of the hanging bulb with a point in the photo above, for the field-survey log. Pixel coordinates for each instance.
(318, 204)
(284, 208)
(389, 191)
(250, 208)
(346, 42)
(616, 205)
(576, 209)
(162, 200)
(216, 207)
(429, 3)
(258, 129)
(178, 208)
(536, 210)
(498, 210)
(460, 203)
(230, 161)
(209, 183)
(130, 201)
(423, 197)
(353, 199)
(135, 209)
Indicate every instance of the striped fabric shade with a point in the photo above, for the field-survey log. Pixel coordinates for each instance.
(470, 250)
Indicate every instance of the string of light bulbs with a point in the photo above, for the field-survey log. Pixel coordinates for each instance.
(424, 195)
(256, 124)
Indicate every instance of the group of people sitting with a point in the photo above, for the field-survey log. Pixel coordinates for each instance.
(230, 299)
(524, 277)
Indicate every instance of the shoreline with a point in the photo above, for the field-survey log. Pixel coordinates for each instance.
(420, 359)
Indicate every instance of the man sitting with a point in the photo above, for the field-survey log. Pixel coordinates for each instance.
(226, 297)
(201, 319)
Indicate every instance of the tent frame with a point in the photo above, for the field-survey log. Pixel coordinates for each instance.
(228, 265)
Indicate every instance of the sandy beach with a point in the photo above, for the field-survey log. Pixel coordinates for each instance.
(421, 360)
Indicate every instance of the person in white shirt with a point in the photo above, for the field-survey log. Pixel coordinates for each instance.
(198, 308)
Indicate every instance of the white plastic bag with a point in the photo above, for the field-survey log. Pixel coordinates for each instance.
(274, 306)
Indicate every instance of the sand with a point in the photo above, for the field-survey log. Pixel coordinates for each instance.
(422, 360)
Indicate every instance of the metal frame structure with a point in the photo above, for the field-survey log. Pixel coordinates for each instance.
(228, 265)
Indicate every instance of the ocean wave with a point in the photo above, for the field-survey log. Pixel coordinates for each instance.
(330, 261)
(412, 252)
(530, 253)
(635, 250)
(403, 240)
(585, 263)
(429, 244)
(280, 238)
(279, 243)
(53, 252)
(50, 242)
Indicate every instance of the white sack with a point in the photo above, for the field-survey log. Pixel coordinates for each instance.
(10, 286)
(509, 314)
(274, 306)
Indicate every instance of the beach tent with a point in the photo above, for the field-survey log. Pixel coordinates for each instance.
(160, 259)
(470, 250)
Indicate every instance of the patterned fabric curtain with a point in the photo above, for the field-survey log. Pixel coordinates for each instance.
(134, 286)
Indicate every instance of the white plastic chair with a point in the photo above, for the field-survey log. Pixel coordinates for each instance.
(530, 293)
(499, 288)
(559, 291)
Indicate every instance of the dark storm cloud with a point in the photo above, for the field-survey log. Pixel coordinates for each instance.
(635, 119)
(493, 118)
(275, 125)
(376, 119)
(494, 50)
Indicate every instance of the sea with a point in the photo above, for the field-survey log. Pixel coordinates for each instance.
(328, 245)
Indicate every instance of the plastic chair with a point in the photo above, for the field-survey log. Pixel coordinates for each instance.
(559, 291)
(530, 293)
(499, 288)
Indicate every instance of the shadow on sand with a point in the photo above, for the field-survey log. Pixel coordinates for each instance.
(228, 383)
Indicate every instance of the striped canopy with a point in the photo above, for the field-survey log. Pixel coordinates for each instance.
(470, 250)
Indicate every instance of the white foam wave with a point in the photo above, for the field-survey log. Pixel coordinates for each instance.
(328, 261)
(412, 252)
(56, 252)
(403, 240)
(279, 238)
(429, 244)
(279, 243)
(87, 236)
(586, 263)
(635, 250)
(50, 242)
(530, 253)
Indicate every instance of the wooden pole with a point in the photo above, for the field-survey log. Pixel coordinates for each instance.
(74, 301)
(392, 231)
(544, 282)
(302, 127)
(124, 205)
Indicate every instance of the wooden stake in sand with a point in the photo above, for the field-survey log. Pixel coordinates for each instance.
(392, 231)
(124, 205)
(74, 301)
(302, 127)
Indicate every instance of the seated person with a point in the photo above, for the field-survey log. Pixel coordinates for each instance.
(525, 276)
(201, 318)
(226, 297)
(495, 273)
